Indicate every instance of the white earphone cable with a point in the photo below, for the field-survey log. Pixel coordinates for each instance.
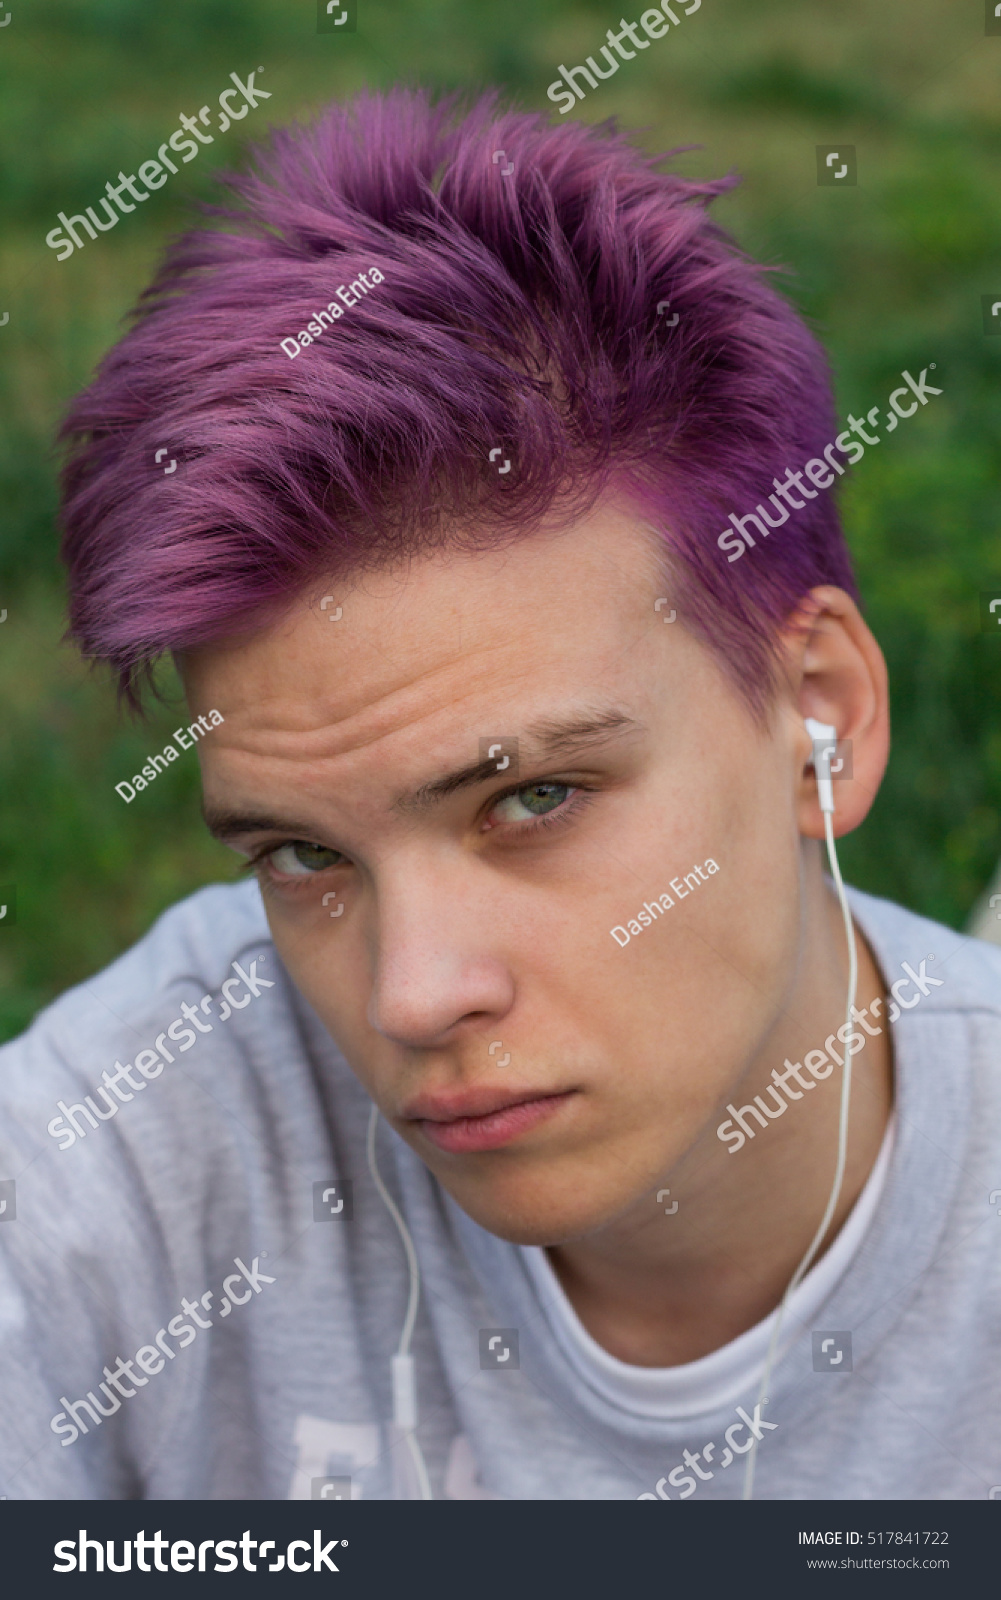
(839, 1170)
(403, 1373)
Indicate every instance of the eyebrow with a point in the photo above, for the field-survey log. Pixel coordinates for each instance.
(551, 738)
(225, 824)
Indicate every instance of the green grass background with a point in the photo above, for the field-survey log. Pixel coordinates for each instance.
(890, 274)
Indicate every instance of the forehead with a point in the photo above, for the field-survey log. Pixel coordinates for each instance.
(454, 633)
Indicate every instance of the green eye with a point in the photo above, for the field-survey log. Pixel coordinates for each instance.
(299, 859)
(539, 798)
(535, 800)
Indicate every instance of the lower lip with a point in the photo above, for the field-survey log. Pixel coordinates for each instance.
(493, 1130)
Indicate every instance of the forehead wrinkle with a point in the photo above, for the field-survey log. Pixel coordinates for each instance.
(323, 733)
(320, 731)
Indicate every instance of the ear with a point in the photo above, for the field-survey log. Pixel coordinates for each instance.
(836, 673)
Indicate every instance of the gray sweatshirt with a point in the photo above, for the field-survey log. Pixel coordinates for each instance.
(201, 1290)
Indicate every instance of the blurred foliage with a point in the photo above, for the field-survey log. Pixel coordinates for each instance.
(890, 274)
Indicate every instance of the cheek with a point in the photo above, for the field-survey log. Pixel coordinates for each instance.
(759, 912)
(681, 1009)
(329, 966)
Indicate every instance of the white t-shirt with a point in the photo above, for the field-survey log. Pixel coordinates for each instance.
(718, 1379)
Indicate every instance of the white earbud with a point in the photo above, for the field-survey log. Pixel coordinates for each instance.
(825, 734)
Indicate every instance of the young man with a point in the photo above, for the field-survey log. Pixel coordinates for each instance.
(518, 753)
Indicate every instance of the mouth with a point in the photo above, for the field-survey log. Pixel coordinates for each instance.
(481, 1120)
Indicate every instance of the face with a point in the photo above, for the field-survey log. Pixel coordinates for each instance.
(447, 909)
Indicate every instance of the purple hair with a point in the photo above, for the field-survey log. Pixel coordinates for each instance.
(518, 309)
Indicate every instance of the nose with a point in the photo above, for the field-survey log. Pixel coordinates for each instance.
(438, 964)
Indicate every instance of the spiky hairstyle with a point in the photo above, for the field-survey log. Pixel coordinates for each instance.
(518, 308)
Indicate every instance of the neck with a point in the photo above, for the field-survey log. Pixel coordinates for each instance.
(660, 1290)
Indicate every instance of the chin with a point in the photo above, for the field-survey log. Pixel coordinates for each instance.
(545, 1220)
